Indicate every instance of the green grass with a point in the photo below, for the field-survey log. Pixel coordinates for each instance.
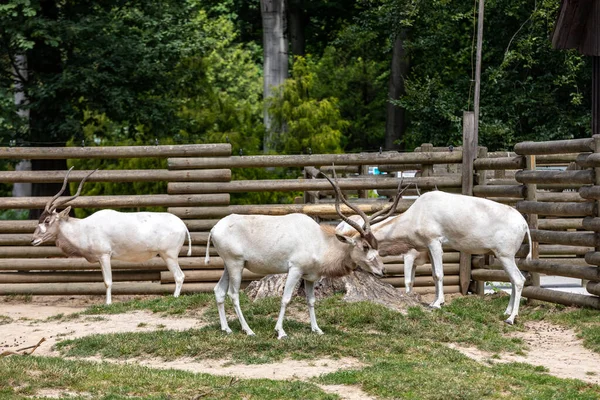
(405, 355)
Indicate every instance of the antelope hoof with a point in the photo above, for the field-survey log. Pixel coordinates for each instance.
(281, 335)
(510, 321)
(318, 331)
(437, 306)
(227, 331)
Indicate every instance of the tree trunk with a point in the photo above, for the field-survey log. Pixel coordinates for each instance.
(396, 120)
(358, 286)
(297, 22)
(47, 116)
(275, 47)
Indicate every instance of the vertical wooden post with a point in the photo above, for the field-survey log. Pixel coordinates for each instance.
(532, 219)
(478, 287)
(363, 171)
(469, 153)
(427, 169)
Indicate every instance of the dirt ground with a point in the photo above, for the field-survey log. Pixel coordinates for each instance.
(556, 348)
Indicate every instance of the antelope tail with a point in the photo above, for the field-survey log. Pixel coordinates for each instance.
(530, 245)
(207, 258)
(189, 253)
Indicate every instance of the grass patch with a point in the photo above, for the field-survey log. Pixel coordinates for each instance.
(405, 354)
(5, 319)
(23, 377)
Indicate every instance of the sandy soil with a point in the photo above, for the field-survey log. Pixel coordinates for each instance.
(551, 346)
(556, 348)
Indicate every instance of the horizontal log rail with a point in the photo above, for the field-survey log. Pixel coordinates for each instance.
(125, 201)
(590, 192)
(316, 160)
(559, 197)
(75, 264)
(130, 175)
(593, 288)
(421, 281)
(161, 151)
(205, 276)
(561, 224)
(565, 238)
(28, 226)
(97, 288)
(550, 268)
(517, 191)
(588, 160)
(488, 275)
(24, 239)
(76, 276)
(567, 209)
(556, 250)
(500, 163)
(286, 185)
(425, 269)
(592, 257)
(51, 251)
(591, 224)
(555, 147)
(584, 177)
(555, 296)
(282, 209)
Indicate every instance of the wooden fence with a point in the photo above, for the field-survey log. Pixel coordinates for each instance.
(554, 183)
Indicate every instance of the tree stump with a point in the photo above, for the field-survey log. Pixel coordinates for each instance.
(358, 286)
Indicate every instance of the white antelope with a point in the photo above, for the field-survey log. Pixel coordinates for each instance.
(109, 234)
(294, 244)
(469, 224)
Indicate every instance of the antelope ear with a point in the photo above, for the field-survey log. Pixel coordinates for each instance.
(346, 239)
(64, 214)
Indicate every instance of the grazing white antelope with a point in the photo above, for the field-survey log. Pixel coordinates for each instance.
(109, 234)
(412, 258)
(469, 224)
(294, 244)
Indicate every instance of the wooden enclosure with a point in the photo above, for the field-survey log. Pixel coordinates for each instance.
(554, 183)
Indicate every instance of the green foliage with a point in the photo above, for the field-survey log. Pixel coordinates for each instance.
(307, 123)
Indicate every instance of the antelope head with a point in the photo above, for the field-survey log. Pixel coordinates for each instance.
(47, 228)
(365, 253)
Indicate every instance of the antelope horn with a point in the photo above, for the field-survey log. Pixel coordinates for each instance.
(338, 195)
(57, 195)
(388, 211)
(61, 202)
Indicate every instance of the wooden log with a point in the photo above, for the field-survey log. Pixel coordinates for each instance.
(133, 175)
(164, 151)
(556, 250)
(118, 288)
(425, 269)
(76, 276)
(449, 256)
(556, 159)
(74, 264)
(515, 191)
(590, 192)
(591, 224)
(205, 276)
(502, 182)
(399, 167)
(579, 262)
(422, 290)
(561, 224)
(588, 160)
(568, 209)
(341, 169)
(422, 281)
(555, 147)
(566, 238)
(559, 269)
(513, 162)
(593, 288)
(555, 296)
(18, 226)
(592, 257)
(559, 197)
(51, 251)
(584, 177)
(287, 185)
(489, 275)
(281, 209)
(316, 160)
(127, 201)
(200, 224)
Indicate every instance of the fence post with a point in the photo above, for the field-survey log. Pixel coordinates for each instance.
(478, 287)
(469, 153)
(532, 219)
